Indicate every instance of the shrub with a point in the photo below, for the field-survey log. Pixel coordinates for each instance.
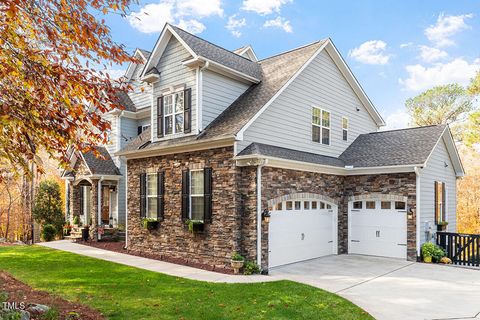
(49, 232)
(438, 254)
(251, 267)
(48, 207)
(76, 220)
(237, 257)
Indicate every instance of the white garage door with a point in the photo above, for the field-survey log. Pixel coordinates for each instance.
(301, 230)
(378, 228)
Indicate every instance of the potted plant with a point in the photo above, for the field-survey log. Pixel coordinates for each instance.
(195, 226)
(442, 225)
(438, 254)
(67, 230)
(237, 262)
(76, 221)
(428, 250)
(150, 223)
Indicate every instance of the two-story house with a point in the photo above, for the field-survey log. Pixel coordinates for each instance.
(278, 159)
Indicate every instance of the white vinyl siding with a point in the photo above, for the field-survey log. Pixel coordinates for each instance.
(219, 92)
(287, 121)
(436, 170)
(174, 73)
(111, 145)
(129, 131)
(141, 94)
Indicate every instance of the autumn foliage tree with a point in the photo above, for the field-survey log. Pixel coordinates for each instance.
(51, 96)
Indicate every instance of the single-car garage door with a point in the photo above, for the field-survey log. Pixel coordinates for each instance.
(378, 228)
(301, 230)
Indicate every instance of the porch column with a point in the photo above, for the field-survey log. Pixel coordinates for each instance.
(74, 201)
(94, 210)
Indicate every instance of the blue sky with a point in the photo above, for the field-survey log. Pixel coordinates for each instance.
(396, 49)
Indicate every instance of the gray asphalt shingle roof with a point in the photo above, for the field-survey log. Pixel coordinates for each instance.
(391, 148)
(386, 148)
(98, 165)
(289, 154)
(124, 99)
(220, 55)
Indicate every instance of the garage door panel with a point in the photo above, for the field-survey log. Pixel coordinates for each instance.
(297, 235)
(380, 232)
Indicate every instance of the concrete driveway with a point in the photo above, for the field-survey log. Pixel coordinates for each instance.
(393, 289)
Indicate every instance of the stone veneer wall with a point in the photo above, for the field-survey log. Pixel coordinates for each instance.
(233, 226)
(172, 241)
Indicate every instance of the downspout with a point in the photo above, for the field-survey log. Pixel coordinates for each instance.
(417, 213)
(259, 214)
(99, 201)
(126, 203)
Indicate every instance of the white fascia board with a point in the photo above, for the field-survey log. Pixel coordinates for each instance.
(150, 78)
(447, 137)
(239, 135)
(312, 167)
(249, 49)
(142, 113)
(132, 65)
(354, 84)
(105, 177)
(159, 47)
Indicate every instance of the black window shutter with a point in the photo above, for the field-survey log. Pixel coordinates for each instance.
(444, 210)
(207, 194)
(82, 190)
(160, 117)
(143, 195)
(185, 194)
(436, 203)
(139, 130)
(160, 194)
(187, 117)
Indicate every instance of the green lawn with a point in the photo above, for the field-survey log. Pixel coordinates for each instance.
(122, 292)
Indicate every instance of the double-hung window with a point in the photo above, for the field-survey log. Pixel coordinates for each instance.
(173, 112)
(321, 126)
(345, 128)
(152, 194)
(197, 194)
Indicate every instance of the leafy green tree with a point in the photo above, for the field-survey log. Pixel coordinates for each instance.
(48, 205)
(474, 87)
(440, 105)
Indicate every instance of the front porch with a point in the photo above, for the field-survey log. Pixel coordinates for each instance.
(93, 204)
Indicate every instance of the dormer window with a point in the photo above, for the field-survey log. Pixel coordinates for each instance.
(320, 126)
(174, 113)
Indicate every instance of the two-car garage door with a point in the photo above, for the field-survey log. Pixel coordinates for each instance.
(301, 230)
(378, 228)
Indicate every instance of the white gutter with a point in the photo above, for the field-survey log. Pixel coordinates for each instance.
(99, 201)
(417, 213)
(259, 215)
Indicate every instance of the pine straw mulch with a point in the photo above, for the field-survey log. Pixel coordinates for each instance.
(20, 292)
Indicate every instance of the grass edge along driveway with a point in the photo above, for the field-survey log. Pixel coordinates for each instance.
(123, 292)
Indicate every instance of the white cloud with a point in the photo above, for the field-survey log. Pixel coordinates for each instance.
(279, 22)
(446, 26)
(397, 120)
(234, 24)
(370, 52)
(455, 71)
(429, 54)
(264, 7)
(406, 45)
(184, 13)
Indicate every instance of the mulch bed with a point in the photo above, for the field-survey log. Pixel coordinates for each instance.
(119, 247)
(20, 292)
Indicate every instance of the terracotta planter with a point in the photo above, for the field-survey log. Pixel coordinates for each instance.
(236, 265)
(427, 259)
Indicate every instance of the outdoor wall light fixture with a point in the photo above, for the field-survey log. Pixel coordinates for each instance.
(266, 215)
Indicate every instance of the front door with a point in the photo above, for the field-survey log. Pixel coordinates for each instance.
(105, 205)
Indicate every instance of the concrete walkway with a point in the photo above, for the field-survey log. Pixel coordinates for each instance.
(153, 265)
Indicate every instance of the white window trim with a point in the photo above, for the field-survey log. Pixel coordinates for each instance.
(148, 196)
(173, 114)
(321, 126)
(345, 129)
(191, 194)
(145, 127)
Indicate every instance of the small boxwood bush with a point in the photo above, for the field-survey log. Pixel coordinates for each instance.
(48, 232)
(431, 250)
(251, 267)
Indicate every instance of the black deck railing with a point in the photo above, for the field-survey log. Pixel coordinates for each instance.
(462, 249)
